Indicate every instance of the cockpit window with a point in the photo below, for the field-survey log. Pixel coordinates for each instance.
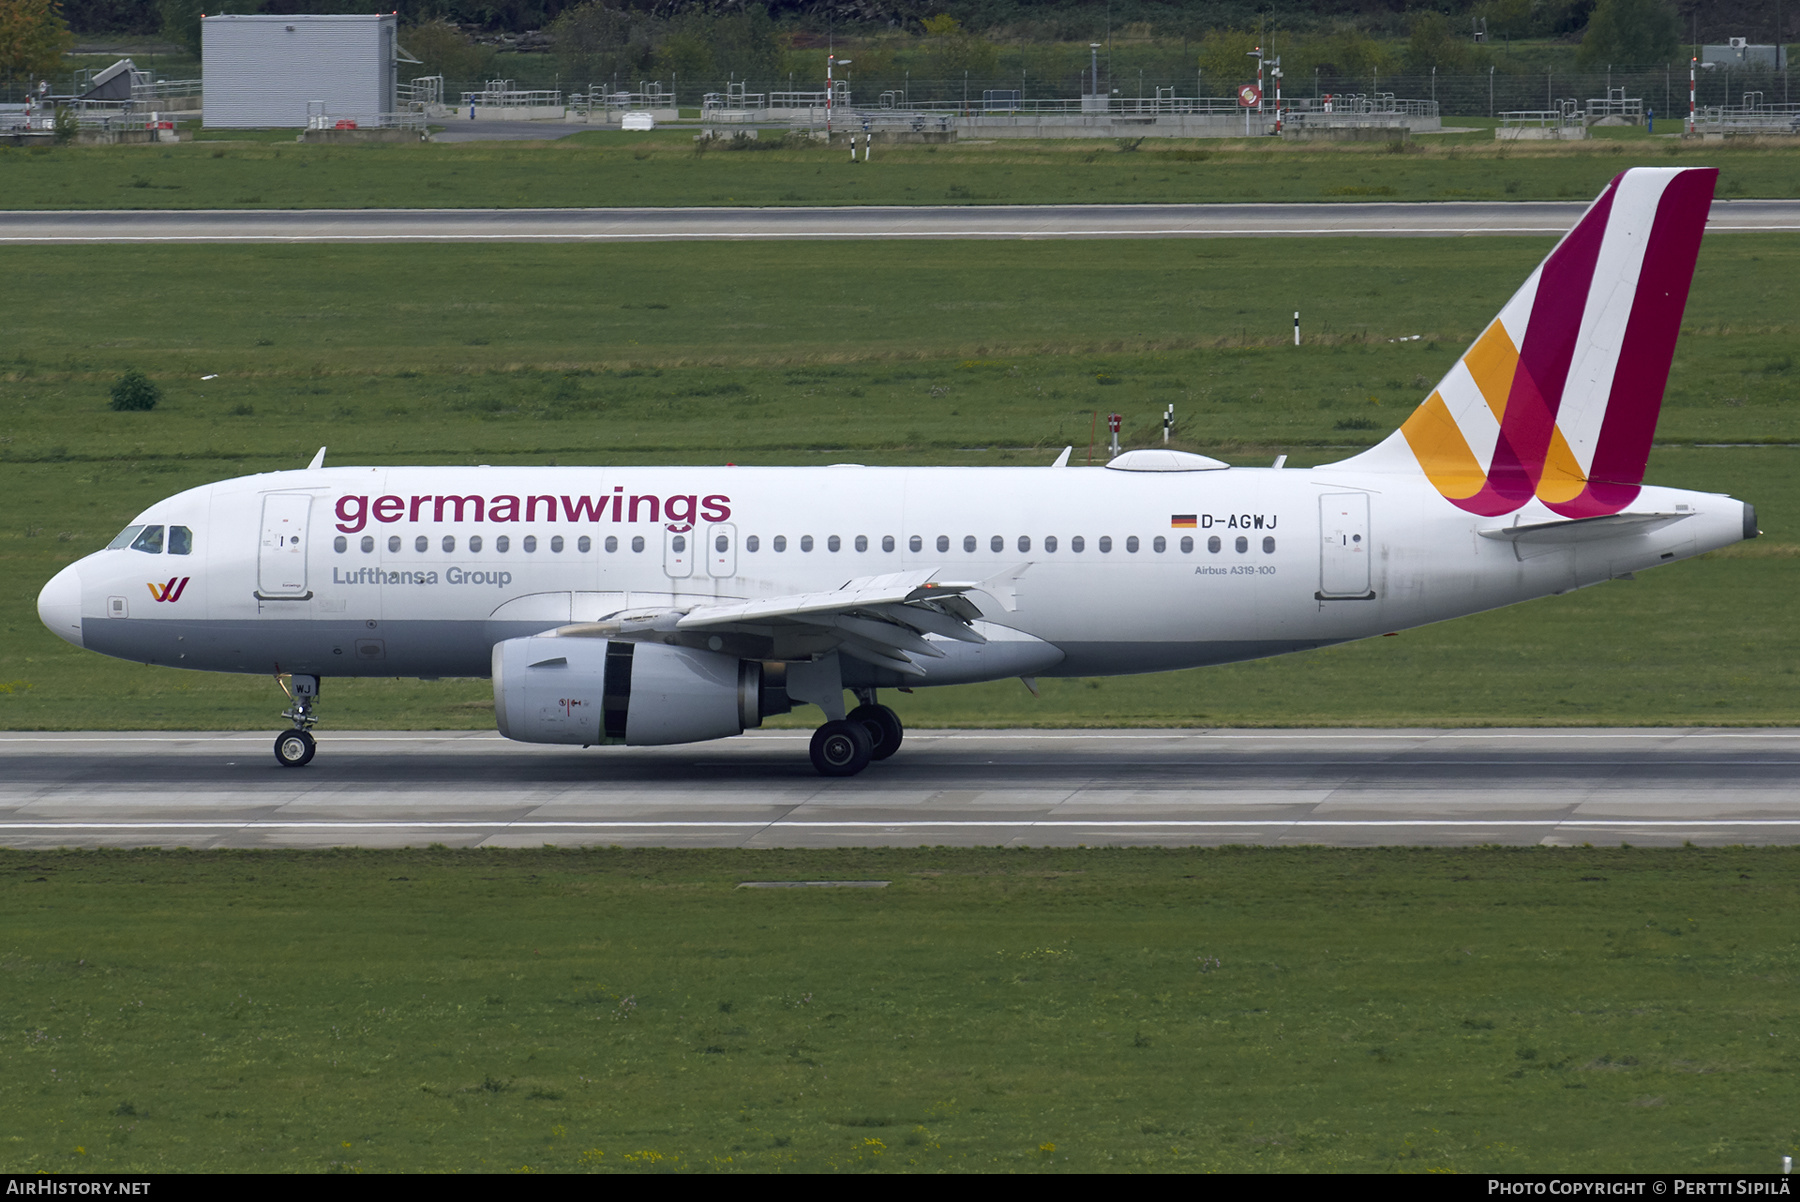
(125, 537)
(150, 541)
(181, 540)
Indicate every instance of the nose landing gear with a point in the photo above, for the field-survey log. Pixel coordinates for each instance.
(294, 748)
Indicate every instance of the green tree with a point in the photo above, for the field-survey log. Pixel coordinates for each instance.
(1630, 33)
(1434, 43)
(1224, 61)
(33, 37)
(442, 49)
(181, 20)
(595, 42)
(135, 392)
(951, 50)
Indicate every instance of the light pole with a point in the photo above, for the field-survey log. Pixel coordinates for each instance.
(1094, 54)
(1276, 72)
(831, 61)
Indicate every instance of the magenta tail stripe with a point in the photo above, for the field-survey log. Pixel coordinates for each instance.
(1548, 348)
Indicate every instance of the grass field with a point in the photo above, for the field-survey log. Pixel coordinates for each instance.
(985, 353)
(1294, 1010)
(601, 169)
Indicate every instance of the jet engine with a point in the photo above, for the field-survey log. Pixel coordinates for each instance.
(587, 691)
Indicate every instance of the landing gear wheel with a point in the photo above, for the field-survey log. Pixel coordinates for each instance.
(294, 748)
(885, 730)
(841, 748)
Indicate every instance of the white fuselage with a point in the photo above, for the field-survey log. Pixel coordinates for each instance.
(374, 571)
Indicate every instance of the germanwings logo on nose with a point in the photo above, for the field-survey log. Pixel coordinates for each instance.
(170, 591)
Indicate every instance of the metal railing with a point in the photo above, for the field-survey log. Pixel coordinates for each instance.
(1749, 117)
(1616, 104)
(1566, 115)
(411, 119)
(145, 88)
(501, 94)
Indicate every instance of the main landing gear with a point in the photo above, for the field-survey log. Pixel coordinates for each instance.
(294, 748)
(867, 733)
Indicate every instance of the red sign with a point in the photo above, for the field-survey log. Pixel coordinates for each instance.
(1113, 421)
(1249, 96)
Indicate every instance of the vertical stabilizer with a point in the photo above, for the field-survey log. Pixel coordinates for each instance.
(1558, 398)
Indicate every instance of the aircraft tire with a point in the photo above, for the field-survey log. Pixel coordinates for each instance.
(841, 748)
(885, 728)
(294, 748)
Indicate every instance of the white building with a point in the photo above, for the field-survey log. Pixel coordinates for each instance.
(263, 72)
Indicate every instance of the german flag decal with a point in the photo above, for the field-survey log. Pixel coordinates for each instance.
(1183, 521)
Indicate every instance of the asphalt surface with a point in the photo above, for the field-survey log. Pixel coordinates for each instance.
(897, 222)
(1036, 788)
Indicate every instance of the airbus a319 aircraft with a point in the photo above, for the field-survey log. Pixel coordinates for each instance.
(655, 605)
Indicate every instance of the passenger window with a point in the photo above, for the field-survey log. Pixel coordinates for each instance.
(1024, 542)
(1269, 546)
(612, 544)
(1213, 544)
(368, 543)
(125, 538)
(780, 543)
(1050, 543)
(584, 544)
(1243, 544)
(556, 544)
(833, 543)
(449, 543)
(862, 542)
(943, 543)
(181, 540)
(1131, 544)
(393, 542)
(421, 543)
(969, 543)
(996, 544)
(678, 544)
(150, 541)
(721, 543)
(637, 544)
(1187, 545)
(915, 543)
(806, 542)
(1106, 544)
(887, 542)
(474, 542)
(752, 543)
(529, 543)
(503, 544)
(1160, 545)
(1078, 544)
(340, 544)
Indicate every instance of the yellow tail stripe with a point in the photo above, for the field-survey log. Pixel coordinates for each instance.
(1442, 450)
(1492, 361)
(1562, 479)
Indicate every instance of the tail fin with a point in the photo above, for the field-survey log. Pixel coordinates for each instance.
(1558, 397)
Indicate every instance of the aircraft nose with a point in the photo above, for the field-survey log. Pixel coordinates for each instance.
(59, 605)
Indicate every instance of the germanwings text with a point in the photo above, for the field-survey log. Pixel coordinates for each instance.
(353, 513)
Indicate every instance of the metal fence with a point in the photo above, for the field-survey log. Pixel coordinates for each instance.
(1662, 88)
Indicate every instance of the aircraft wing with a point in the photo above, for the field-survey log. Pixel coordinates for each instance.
(881, 620)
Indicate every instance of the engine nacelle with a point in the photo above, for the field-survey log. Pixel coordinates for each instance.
(586, 691)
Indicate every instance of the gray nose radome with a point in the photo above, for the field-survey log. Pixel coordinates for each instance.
(59, 605)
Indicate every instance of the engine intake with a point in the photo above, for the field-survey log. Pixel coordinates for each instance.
(587, 691)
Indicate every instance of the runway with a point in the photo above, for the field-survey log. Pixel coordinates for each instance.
(1020, 787)
(872, 222)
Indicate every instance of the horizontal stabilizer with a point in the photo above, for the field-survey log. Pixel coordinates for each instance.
(1585, 530)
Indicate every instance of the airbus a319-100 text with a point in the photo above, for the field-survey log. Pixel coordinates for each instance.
(656, 605)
